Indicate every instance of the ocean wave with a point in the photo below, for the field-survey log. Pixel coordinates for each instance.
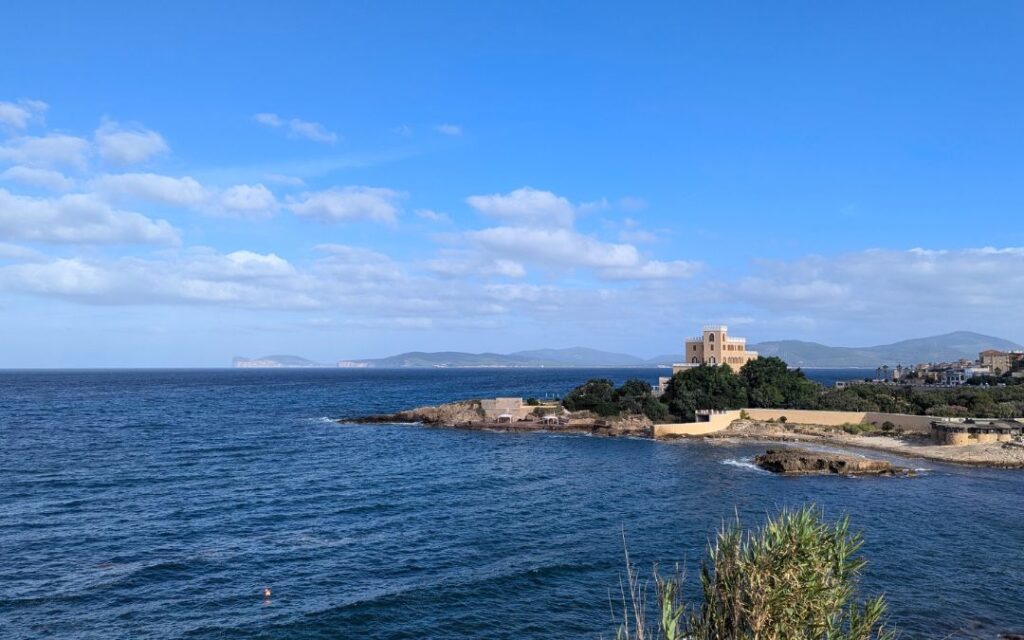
(744, 464)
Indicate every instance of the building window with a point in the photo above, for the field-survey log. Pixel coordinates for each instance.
(695, 360)
(711, 360)
(711, 338)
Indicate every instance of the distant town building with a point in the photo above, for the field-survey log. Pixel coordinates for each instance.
(885, 373)
(353, 364)
(1000, 362)
(975, 431)
(714, 347)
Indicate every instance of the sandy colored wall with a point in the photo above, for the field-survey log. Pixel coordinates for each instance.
(919, 424)
(716, 423)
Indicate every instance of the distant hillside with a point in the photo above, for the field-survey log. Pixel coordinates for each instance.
(554, 358)
(274, 362)
(945, 348)
(581, 357)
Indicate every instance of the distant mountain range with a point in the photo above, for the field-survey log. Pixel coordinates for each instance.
(945, 348)
(948, 347)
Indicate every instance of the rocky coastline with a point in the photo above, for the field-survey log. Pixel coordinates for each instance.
(469, 414)
(911, 445)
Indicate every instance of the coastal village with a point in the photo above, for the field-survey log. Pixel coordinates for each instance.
(979, 441)
(990, 363)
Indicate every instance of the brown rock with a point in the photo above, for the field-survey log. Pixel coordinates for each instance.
(801, 461)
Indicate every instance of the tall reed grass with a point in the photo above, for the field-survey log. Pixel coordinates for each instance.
(794, 578)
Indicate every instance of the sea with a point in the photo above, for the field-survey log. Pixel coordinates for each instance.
(161, 503)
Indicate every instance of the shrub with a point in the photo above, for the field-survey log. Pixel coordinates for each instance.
(857, 429)
(795, 577)
(782, 419)
(744, 415)
(533, 402)
(888, 426)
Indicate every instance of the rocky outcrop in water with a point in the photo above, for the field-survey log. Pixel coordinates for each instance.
(469, 414)
(801, 462)
(449, 414)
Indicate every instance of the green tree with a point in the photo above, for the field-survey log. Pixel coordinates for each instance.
(772, 384)
(596, 394)
(704, 387)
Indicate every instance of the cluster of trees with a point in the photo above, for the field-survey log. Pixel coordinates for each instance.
(600, 396)
(965, 401)
(769, 383)
(763, 383)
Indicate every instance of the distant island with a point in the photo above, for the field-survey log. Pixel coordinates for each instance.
(949, 347)
(275, 362)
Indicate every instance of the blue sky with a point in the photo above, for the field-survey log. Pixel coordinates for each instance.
(180, 184)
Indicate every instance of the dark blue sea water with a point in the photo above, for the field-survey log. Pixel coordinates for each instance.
(158, 504)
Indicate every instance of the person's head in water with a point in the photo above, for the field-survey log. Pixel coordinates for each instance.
(266, 592)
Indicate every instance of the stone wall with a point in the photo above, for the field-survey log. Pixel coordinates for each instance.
(499, 406)
(717, 422)
(916, 424)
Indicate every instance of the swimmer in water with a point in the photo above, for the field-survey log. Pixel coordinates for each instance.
(266, 593)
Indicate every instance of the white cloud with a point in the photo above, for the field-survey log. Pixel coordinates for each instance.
(248, 199)
(343, 204)
(51, 149)
(269, 119)
(561, 247)
(10, 251)
(312, 131)
(242, 279)
(125, 145)
(357, 264)
(654, 270)
(433, 216)
(18, 115)
(449, 129)
(469, 265)
(540, 232)
(249, 264)
(184, 191)
(77, 218)
(288, 181)
(298, 128)
(914, 285)
(526, 206)
(36, 177)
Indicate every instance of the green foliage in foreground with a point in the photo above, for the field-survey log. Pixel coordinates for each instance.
(600, 396)
(794, 578)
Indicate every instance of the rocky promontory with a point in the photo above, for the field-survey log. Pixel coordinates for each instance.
(479, 415)
(803, 462)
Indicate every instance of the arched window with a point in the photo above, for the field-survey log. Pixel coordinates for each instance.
(695, 360)
(711, 360)
(711, 338)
